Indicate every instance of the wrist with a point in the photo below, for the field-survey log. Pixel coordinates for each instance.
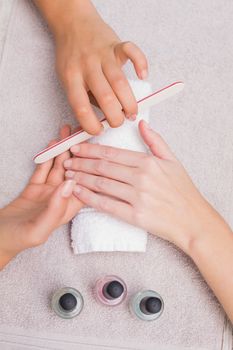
(207, 233)
(6, 254)
(63, 15)
(197, 224)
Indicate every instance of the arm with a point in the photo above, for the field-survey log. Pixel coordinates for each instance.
(213, 255)
(89, 58)
(60, 14)
(155, 193)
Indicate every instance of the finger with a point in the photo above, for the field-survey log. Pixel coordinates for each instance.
(104, 185)
(81, 106)
(42, 170)
(101, 167)
(105, 97)
(56, 175)
(105, 204)
(52, 216)
(128, 50)
(122, 89)
(157, 145)
(116, 155)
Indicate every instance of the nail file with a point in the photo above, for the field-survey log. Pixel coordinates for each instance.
(81, 135)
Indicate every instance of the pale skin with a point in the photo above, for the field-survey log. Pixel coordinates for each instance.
(89, 58)
(153, 191)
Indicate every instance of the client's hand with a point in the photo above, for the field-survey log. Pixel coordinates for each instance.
(45, 204)
(150, 191)
(155, 192)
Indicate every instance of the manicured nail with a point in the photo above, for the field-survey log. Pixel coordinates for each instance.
(132, 117)
(77, 189)
(101, 132)
(69, 174)
(67, 188)
(144, 74)
(147, 125)
(67, 163)
(75, 149)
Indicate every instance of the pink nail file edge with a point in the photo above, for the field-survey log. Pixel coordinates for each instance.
(81, 135)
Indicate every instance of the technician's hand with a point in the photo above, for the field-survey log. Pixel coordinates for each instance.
(45, 204)
(89, 57)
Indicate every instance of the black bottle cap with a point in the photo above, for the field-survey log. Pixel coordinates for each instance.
(153, 305)
(113, 290)
(68, 302)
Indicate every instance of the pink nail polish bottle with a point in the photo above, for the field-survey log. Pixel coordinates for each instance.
(110, 290)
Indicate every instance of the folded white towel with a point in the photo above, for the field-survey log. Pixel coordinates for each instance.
(92, 230)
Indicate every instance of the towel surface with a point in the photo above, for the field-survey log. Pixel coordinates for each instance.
(93, 231)
(190, 41)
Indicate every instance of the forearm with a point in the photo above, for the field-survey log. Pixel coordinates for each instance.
(60, 14)
(5, 254)
(4, 260)
(212, 252)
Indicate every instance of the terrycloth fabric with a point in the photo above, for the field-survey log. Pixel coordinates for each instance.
(185, 40)
(93, 231)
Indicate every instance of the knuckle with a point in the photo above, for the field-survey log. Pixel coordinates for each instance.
(142, 198)
(81, 111)
(75, 164)
(69, 72)
(142, 180)
(100, 184)
(148, 163)
(109, 152)
(107, 97)
(89, 60)
(118, 81)
(139, 216)
(103, 205)
(79, 177)
(100, 167)
(127, 45)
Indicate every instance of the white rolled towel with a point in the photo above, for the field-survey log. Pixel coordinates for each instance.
(94, 231)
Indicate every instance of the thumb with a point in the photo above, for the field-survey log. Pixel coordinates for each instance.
(155, 142)
(51, 217)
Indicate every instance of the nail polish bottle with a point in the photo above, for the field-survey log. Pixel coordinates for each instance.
(67, 302)
(147, 305)
(110, 290)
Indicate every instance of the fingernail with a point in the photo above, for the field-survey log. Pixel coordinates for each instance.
(75, 149)
(67, 188)
(101, 131)
(144, 74)
(77, 189)
(67, 163)
(132, 117)
(147, 125)
(70, 174)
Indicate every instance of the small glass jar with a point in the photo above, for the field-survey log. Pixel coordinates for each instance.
(67, 302)
(110, 290)
(147, 305)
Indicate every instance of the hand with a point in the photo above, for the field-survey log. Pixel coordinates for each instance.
(89, 57)
(150, 191)
(45, 204)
